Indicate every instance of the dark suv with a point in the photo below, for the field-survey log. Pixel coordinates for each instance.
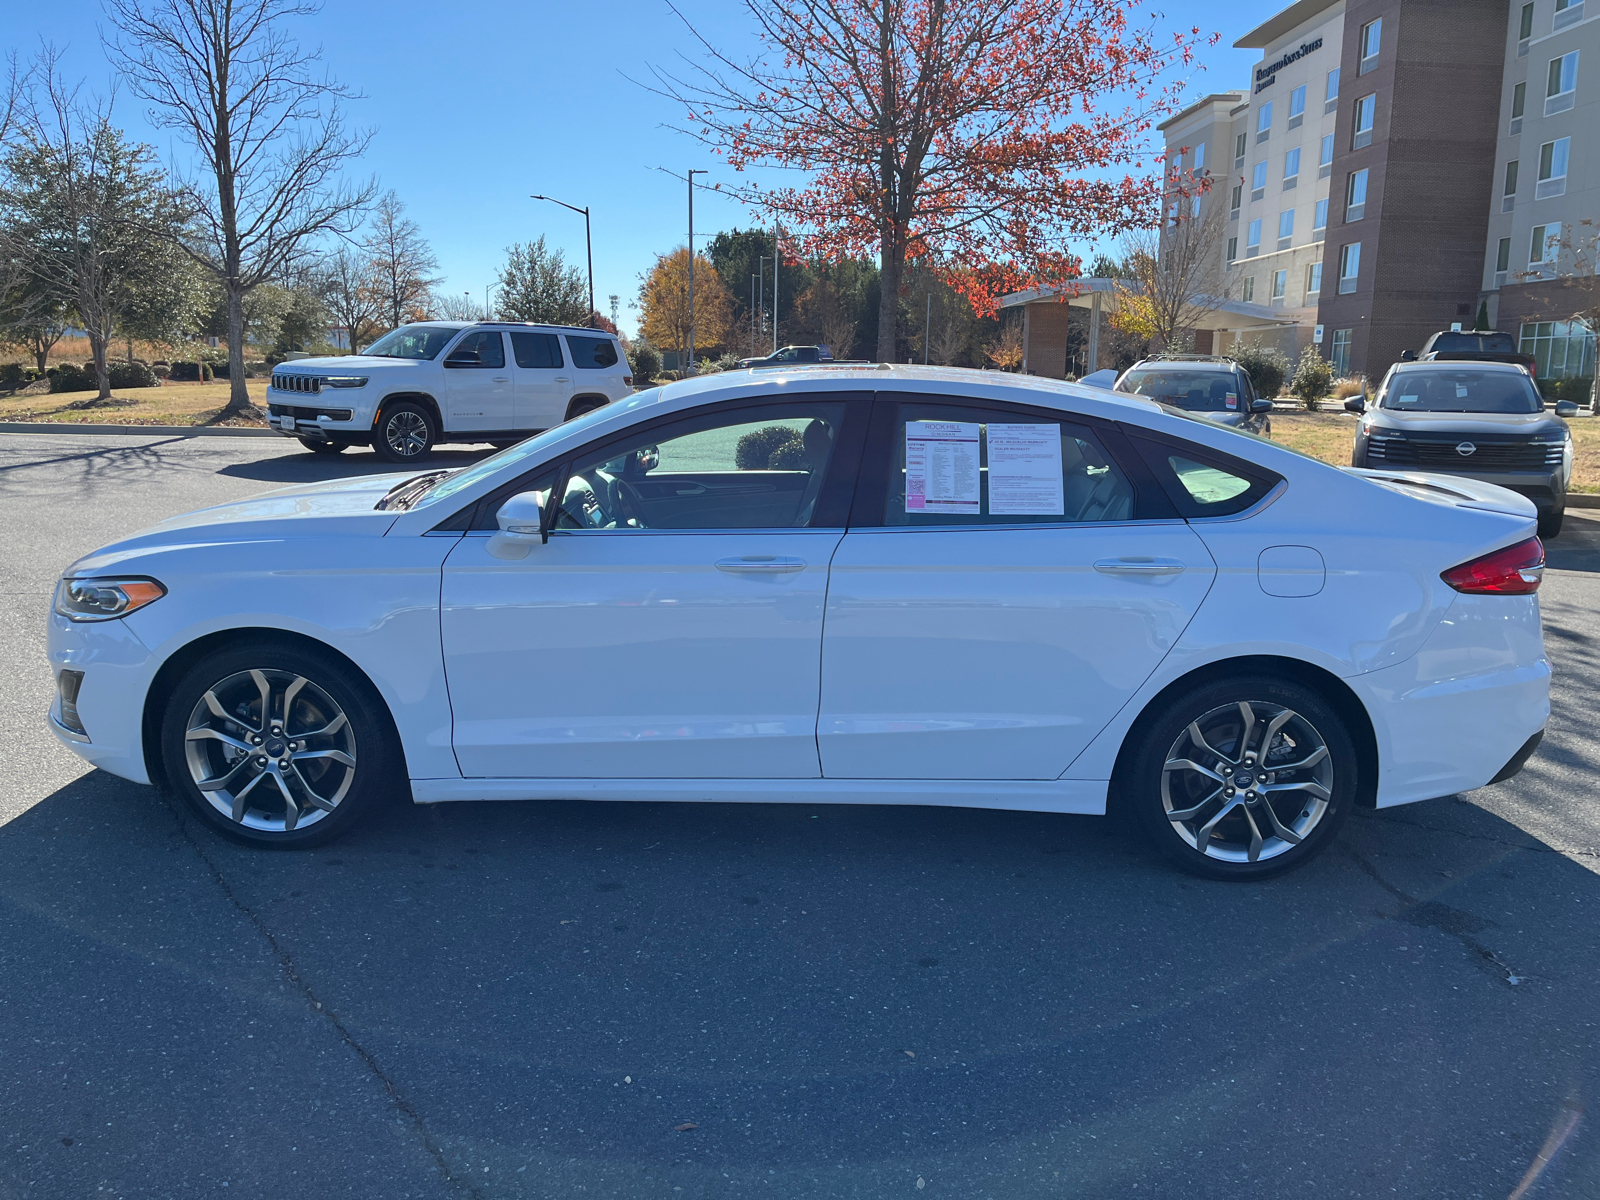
(1483, 419)
(1216, 388)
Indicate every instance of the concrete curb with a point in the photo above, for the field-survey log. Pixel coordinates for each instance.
(1577, 500)
(135, 430)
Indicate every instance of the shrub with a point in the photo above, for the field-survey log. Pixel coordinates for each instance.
(192, 372)
(1313, 378)
(1343, 389)
(69, 377)
(132, 375)
(12, 376)
(759, 449)
(162, 370)
(1577, 389)
(1266, 366)
(645, 361)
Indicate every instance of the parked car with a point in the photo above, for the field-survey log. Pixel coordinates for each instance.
(1483, 419)
(792, 356)
(1216, 388)
(447, 381)
(1037, 596)
(1474, 345)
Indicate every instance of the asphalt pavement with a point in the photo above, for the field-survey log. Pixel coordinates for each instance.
(649, 1000)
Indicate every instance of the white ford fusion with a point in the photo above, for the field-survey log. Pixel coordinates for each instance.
(850, 585)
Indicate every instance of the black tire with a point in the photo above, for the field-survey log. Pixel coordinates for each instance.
(1148, 789)
(1550, 523)
(258, 814)
(405, 433)
(578, 407)
(323, 446)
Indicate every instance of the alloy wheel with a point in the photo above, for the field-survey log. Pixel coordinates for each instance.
(406, 433)
(1247, 782)
(270, 750)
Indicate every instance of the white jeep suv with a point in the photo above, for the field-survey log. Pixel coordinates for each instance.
(445, 381)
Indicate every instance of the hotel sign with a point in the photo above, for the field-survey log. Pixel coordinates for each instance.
(1267, 75)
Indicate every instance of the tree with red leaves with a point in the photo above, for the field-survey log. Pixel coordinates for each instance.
(969, 134)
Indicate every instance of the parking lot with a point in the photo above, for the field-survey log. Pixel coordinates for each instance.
(645, 1000)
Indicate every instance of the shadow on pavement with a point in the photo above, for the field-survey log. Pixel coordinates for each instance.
(833, 1001)
(308, 467)
(1577, 548)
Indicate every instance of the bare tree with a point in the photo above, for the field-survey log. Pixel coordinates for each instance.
(1173, 273)
(266, 125)
(451, 307)
(353, 294)
(401, 260)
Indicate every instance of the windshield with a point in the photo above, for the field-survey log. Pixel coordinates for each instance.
(1426, 390)
(414, 341)
(1197, 391)
(1491, 343)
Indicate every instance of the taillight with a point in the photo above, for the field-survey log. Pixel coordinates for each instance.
(1514, 571)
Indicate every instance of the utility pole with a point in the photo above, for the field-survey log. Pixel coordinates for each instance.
(588, 244)
(761, 294)
(752, 315)
(927, 327)
(691, 176)
(777, 232)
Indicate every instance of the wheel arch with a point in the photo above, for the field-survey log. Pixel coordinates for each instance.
(1326, 683)
(180, 660)
(585, 401)
(422, 398)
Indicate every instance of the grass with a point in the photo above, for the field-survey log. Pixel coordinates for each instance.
(1331, 436)
(171, 404)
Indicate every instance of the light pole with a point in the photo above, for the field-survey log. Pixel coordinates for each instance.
(690, 177)
(588, 244)
(777, 232)
(761, 300)
(487, 288)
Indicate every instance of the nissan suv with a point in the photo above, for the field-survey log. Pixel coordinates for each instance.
(1481, 419)
(447, 381)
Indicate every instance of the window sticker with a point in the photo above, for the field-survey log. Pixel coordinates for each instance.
(1408, 399)
(1461, 391)
(1232, 399)
(942, 467)
(1025, 471)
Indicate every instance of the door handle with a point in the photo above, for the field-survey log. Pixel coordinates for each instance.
(563, 379)
(1139, 565)
(694, 489)
(761, 564)
(502, 379)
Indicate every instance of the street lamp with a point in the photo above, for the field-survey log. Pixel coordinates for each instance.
(588, 246)
(691, 176)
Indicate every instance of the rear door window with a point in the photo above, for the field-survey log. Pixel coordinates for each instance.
(592, 353)
(539, 351)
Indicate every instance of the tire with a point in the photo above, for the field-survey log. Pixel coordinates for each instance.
(1242, 839)
(322, 446)
(578, 407)
(342, 755)
(405, 433)
(1550, 523)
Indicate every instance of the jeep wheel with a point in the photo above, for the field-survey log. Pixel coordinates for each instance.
(405, 433)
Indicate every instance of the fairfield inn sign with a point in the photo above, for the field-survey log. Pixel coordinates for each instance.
(1267, 74)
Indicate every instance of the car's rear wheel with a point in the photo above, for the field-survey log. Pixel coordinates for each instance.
(586, 405)
(1242, 778)
(405, 433)
(274, 745)
(323, 446)
(1550, 522)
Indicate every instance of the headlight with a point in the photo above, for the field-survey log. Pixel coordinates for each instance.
(344, 381)
(104, 599)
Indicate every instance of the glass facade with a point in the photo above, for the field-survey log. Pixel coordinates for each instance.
(1563, 349)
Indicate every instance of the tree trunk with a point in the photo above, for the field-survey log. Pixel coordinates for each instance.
(41, 358)
(102, 373)
(891, 266)
(238, 394)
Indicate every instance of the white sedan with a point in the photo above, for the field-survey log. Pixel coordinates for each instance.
(847, 585)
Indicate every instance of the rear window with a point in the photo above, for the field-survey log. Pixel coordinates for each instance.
(1201, 482)
(1486, 343)
(592, 353)
(1430, 389)
(1196, 391)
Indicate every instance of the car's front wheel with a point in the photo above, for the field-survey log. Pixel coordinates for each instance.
(405, 433)
(1550, 522)
(1242, 778)
(275, 745)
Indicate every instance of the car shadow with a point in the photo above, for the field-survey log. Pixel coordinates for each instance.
(308, 467)
(813, 999)
(1577, 547)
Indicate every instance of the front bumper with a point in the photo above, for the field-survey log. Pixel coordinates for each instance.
(291, 416)
(117, 668)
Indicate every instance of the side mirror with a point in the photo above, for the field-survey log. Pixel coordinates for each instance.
(1566, 408)
(463, 358)
(1355, 405)
(521, 520)
(1260, 405)
(1408, 356)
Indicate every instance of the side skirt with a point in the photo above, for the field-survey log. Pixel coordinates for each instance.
(1081, 796)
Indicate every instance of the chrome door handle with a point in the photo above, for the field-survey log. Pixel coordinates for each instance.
(1139, 565)
(502, 379)
(562, 379)
(761, 564)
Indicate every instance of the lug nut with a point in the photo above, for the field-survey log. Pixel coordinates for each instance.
(1227, 770)
(1227, 791)
(261, 761)
(255, 739)
(283, 762)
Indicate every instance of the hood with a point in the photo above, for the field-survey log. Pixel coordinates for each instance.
(341, 508)
(1446, 424)
(348, 364)
(1225, 417)
(1460, 490)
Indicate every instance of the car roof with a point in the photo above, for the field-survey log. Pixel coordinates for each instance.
(584, 329)
(1457, 364)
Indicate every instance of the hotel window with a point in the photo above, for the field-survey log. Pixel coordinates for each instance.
(1562, 349)
(1341, 352)
(1313, 280)
(1291, 167)
(1524, 30)
(1319, 218)
(1519, 101)
(1355, 195)
(1285, 228)
(1248, 292)
(1568, 12)
(1325, 161)
(1349, 267)
(1330, 97)
(1508, 197)
(1366, 114)
(1502, 262)
(1252, 241)
(1542, 246)
(1199, 158)
(1233, 248)
(1258, 181)
(1371, 39)
(1553, 169)
(1280, 285)
(1561, 89)
(1297, 107)
(1238, 193)
(1238, 151)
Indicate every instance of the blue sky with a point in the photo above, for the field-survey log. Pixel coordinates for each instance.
(477, 104)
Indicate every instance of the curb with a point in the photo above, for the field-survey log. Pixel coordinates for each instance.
(1579, 500)
(135, 430)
